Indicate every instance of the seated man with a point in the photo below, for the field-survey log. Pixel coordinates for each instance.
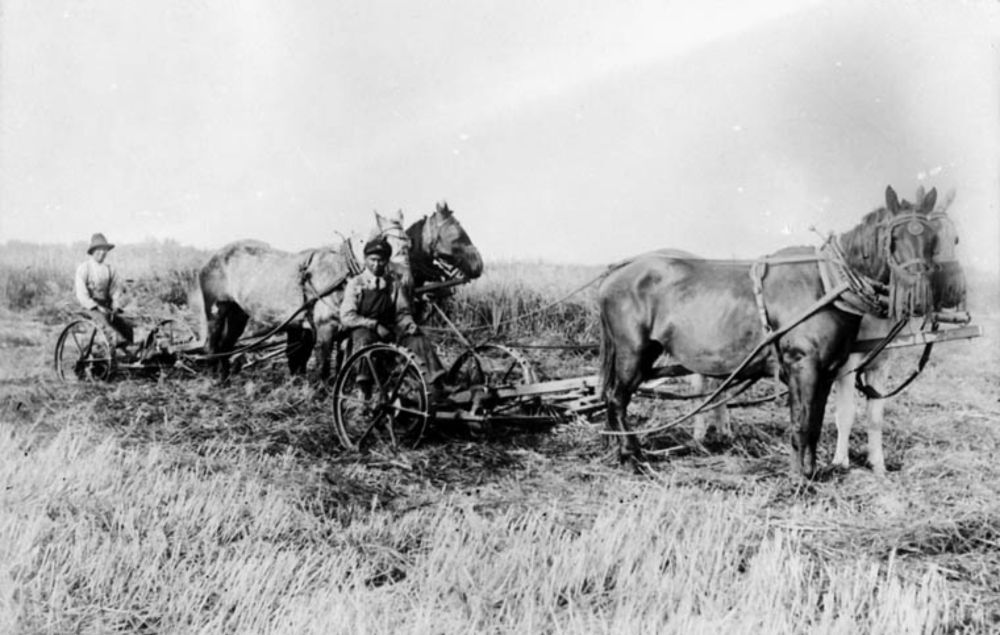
(96, 287)
(376, 309)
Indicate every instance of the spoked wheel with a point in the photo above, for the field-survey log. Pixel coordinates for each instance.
(380, 399)
(84, 353)
(491, 365)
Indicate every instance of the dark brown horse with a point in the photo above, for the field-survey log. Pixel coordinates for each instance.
(948, 290)
(251, 280)
(708, 315)
(441, 251)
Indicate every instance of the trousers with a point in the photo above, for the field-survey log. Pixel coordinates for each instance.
(118, 329)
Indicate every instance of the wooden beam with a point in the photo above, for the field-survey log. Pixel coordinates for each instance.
(921, 337)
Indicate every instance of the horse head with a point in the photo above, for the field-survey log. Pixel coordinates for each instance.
(948, 277)
(907, 242)
(391, 230)
(443, 249)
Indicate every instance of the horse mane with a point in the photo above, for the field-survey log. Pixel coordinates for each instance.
(861, 245)
(421, 261)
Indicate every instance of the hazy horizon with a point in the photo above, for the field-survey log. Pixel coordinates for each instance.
(580, 132)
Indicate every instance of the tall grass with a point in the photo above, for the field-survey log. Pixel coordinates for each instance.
(528, 300)
(531, 299)
(179, 505)
(40, 277)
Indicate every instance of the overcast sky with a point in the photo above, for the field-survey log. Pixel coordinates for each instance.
(568, 130)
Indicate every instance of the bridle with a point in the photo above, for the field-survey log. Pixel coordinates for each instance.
(432, 236)
(912, 269)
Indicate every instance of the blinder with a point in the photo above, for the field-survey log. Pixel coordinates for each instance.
(915, 225)
(433, 236)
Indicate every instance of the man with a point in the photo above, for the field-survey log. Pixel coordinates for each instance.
(96, 287)
(376, 309)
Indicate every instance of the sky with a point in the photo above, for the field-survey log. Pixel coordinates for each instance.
(561, 130)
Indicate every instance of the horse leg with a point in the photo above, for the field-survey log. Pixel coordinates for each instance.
(631, 365)
(298, 349)
(325, 336)
(717, 417)
(808, 390)
(845, 411)
(877, 375)
(224, 330)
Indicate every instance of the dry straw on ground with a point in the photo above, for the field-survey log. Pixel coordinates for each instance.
(175, 505)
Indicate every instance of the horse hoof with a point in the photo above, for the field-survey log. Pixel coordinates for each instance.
(631, 457)
(643, 468)
(839, 469)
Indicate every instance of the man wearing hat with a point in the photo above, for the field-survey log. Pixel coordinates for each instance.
(376, 309)
(96, 287)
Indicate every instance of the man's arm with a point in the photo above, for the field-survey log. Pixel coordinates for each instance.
(404, 313)
(349, 315)
(115, 289)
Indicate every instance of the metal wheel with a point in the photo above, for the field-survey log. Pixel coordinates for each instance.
(380, 399)
(84, 353)
(490, 365)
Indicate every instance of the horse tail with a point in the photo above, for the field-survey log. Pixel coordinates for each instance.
(609, 378)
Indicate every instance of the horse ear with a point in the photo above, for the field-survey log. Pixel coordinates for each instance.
(949, 198)
(927, 205)
(891, 200)
(442, 209)
(920, 195)
(378, 218)
(399, 216)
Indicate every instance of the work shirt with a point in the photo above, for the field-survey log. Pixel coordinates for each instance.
(370, 300)
(95, 284)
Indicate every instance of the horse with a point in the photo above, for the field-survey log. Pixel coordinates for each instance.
(249, 279)
(948, 290)
(442, 252)
(708, 315)
(297, 293)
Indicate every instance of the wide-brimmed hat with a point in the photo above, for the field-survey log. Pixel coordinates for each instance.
(379, 247)
(98, 241)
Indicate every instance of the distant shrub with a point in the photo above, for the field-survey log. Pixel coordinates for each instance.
(40, 277)
(169, 288)
(530, 299)
(28, 287)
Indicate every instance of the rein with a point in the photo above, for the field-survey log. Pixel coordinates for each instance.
(860, 379)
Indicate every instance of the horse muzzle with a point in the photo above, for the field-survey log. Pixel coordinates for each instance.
(910, 290)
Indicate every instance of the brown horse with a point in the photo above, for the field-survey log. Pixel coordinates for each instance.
(948, 290)
(708, 315)
(249, 279)
(441, 251)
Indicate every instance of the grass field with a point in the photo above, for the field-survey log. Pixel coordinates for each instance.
(174, 505)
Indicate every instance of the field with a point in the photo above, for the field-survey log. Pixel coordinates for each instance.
(175, 505)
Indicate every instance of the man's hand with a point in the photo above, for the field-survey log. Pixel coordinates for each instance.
(383, 331)
(411, 329)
